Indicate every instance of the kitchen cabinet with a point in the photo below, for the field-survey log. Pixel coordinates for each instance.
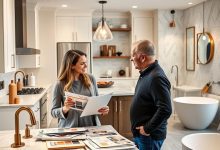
(73, 29)
(7, 38)
(142, 28)
(28, 61)
(119, 115)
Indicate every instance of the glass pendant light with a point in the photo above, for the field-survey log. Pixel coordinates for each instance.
(102, 33)
(203, 32)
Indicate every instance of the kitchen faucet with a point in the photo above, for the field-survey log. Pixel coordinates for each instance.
(15, 78)
(176, 78)
(17, 135)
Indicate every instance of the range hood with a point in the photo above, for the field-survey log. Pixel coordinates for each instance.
(21, 30)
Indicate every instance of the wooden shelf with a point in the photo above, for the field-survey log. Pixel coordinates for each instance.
(117, 29)
(110, 57)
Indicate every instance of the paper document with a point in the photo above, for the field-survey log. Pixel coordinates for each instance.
(89, 105)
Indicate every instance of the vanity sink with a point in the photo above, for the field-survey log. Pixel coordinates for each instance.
(187, 90)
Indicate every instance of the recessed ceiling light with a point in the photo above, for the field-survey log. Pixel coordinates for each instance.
(64, 5)
(190, 3)
(134, 6)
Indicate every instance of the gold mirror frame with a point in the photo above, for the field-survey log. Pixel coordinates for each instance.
(190, 48)
(204, 55)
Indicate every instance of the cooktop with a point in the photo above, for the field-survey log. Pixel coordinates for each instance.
(26, 91)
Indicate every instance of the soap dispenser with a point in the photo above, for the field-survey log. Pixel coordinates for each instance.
(19, 85)
(32, 80)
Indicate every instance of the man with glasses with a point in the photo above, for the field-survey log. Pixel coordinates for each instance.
(151, 105)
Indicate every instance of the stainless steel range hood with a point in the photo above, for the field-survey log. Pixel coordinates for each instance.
(21, 30)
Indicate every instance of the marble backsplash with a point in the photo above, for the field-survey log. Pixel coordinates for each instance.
(210, 71)
(7, 77)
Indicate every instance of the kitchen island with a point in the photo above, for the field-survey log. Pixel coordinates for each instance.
(7, 138)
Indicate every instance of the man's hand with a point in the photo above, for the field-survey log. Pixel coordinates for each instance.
(141, 131)
(104, 110)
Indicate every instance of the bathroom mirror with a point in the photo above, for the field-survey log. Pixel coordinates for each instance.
(190, 48)
(205, 48)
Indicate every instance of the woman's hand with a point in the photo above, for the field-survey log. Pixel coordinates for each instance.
(68, 103)
(104, 110)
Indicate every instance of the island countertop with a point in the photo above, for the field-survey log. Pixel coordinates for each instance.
(7, 138)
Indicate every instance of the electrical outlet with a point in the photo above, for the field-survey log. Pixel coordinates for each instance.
(2, 85)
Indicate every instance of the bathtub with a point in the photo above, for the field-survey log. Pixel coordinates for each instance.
(196, 112)
(201, 141)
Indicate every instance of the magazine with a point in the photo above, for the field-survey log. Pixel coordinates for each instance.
(110, 141)
(89, 105)
(61, 134)
(52, 145)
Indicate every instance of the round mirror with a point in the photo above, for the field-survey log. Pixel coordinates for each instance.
(205, 48)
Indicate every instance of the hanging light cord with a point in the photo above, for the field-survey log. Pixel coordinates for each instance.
(102, 15)
(203, 19)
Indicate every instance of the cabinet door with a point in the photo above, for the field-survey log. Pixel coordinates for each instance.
(124, 125)
(11, 36)
(8, 62)
(142, 28)
(83, 29)
(112, 115)
(64, 29)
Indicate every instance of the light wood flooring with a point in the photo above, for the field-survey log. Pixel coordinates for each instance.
(176, 132)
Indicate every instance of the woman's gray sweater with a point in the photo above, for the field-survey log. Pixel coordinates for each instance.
(72, 118)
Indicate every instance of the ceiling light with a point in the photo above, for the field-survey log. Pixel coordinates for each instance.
(134, 6)
(203, 31)
(190, 3)
(64, 5)
(102, 33)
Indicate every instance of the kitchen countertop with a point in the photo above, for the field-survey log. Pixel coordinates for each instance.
(117, 90)
(7, 138)
(25, 100)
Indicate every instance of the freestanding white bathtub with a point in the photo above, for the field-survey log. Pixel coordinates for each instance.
(196, 112)
(201, 141)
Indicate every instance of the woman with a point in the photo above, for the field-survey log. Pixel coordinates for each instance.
(73, 78)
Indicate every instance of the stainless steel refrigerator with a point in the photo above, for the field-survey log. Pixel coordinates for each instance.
(63, 47)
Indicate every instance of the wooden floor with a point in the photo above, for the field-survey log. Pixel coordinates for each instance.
(175, 133)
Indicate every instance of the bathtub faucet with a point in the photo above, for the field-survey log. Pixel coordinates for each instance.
(176, 78)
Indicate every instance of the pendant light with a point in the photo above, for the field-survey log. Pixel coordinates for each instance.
(203, 32)
(102, 33)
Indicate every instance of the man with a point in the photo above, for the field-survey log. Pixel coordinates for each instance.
(151, 105)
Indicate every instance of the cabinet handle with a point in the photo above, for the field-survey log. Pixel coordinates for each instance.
(13, 61)
(116, 106)
(44, 117)
(44, 102)
(120, 109)
(73, 36)
(39, 61)
(76, 37)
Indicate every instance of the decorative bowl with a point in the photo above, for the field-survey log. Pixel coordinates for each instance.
(119, 53)
(104, 84)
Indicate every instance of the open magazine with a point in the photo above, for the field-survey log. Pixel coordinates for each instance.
(89, 105)
(61, 134)
(53, 145)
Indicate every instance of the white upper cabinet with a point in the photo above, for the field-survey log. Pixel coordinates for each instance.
(7, 39)
(73, 29)
(142, 28)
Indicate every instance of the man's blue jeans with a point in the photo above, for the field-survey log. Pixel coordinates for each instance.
(147, 143)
